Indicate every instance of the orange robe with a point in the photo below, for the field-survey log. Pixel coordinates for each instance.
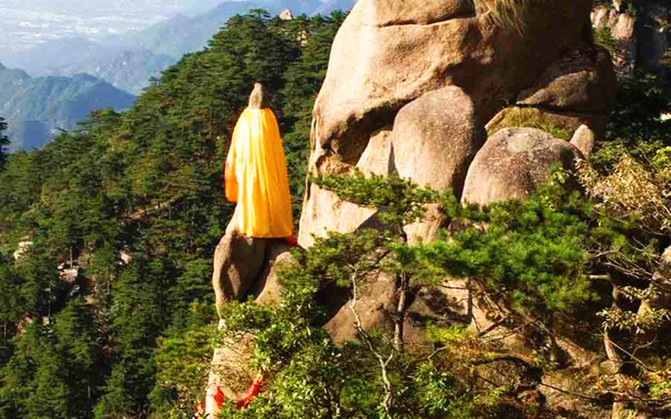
(256, 177)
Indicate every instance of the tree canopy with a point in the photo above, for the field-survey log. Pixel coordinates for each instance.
(83, 329)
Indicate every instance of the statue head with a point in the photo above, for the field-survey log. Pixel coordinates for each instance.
(259, 98)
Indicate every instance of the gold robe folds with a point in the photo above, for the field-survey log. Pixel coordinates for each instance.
(256, 177)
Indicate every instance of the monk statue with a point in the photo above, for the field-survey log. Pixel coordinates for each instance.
(255, 178)
(256, 172)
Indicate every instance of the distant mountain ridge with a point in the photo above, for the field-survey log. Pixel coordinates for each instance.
(37, 107)
(182, 34)
(126, 68)
(129, 61)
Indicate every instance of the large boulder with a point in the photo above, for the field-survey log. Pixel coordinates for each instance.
(407, 83)
(436, 137)
(238, 261)
(513, 163)
(560, 124)
(584, 139)
(582, 81)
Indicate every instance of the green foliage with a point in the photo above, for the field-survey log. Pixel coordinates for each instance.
(604, 38)
(182, 364)
(533, 252)
(532, 256)
(145, 186)
(630, 7)
(531, 118)
(292, 347)
(55, 371)
(307, 375)
(535, 258)
(636, 127)
(400, 201)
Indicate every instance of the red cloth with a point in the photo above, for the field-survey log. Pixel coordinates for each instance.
(219, 397)
(292, 240)
(200, 410)
(251, 393)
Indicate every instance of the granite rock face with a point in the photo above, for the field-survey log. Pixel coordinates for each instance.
(389, 53)
(394, 72)
(410, 87)
(436, 137)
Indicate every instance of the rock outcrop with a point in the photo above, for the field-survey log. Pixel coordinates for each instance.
(409, 88)
(620, 25)
(391, 61)
(581, 82)
(391, 52)
(242, 263)
(436, 137)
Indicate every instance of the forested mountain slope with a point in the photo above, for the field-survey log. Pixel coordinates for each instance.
(146, 185)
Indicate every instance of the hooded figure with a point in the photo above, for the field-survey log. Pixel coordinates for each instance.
(256, 172)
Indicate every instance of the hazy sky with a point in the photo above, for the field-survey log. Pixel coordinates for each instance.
(23, 23)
